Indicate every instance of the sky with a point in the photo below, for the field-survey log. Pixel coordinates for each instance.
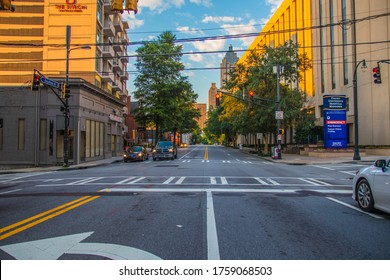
(190, 19)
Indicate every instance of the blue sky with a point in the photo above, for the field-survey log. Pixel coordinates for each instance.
(195, 19)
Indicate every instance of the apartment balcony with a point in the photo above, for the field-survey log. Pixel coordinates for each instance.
(125, 24)
(123, 76)
(108, 28)
(107, 8)
(115, 87)
(117, 45)
(118, 25)
(108, 52)
(107, 76)
(116, 65)
(123, 57)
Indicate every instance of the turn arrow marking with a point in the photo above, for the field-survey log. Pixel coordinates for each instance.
(53, 248)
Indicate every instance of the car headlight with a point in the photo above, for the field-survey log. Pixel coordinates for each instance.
(140, 154)
(154, 150)
(170, 150)
(124, 155)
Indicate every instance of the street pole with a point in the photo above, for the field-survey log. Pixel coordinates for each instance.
(356, 155)
(278, 121)
(66, 111)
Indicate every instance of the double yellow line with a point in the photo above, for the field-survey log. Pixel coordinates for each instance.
(42, 217)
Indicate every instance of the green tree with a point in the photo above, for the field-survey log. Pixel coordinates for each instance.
(257, 74)
(165, 97)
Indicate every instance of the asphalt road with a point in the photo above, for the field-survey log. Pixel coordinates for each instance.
(210, 203)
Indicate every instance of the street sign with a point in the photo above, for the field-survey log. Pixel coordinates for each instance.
(50, 83)
(279, 115)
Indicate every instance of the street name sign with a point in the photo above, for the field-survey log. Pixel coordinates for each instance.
(50, 83)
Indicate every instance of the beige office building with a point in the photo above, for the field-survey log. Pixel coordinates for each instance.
(348, 32)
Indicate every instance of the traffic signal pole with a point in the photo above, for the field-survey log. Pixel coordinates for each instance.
(278, 120)
(66, 111)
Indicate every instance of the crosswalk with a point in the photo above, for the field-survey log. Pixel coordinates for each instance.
(237, 181)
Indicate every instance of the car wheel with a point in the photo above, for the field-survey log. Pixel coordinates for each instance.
(364, 196)
(154, 159)
(125, 160)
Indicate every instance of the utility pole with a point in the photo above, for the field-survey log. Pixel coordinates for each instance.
(278, 69)
(66, 111)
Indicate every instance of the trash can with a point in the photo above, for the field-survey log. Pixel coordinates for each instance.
(275, 152)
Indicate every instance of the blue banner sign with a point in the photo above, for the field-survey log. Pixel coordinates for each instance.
(335, 121)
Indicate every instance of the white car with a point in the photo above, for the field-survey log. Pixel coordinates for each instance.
(371, 186)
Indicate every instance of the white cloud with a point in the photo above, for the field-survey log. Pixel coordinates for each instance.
(132, 20)
(232, 29)
(159, 6)
(211, 45)
(223, 19)
(195, 57)
(275, 4)
(206, 3)
(189, 30)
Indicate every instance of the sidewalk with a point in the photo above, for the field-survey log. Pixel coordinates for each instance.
(61, 168)
(295, 159)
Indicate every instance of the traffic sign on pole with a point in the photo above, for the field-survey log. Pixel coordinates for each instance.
(50, 83)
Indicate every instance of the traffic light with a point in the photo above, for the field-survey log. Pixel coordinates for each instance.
(117, 5)
(218, 99)
(131, 5)
(251, 95)
(66, 91)
(377, 75)
(281, 131)
(6, 5)
(35, 81)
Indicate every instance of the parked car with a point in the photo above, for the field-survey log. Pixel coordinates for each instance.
(371, 186)
(163, 150)
(135, 153)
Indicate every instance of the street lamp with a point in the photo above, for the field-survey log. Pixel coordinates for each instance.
(356, 155)
(66, 109)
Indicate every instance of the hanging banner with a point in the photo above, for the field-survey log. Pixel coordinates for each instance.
(335, 121)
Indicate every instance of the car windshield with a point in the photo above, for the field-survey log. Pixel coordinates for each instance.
(165, 144)
(136, 149)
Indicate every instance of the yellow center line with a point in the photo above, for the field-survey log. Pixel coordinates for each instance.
(206, 153)
(42, 217)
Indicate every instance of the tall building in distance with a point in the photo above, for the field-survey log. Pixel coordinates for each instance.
(202, 108)
(228, 62)
(212, 92)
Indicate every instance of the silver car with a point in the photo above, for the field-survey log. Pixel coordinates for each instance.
(371, 186)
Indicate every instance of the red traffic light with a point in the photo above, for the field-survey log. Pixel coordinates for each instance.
(377, 75)
(251, 93)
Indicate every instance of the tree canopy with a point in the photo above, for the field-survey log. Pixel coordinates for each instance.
(166, 98)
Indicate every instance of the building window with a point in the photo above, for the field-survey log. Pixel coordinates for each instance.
(345, 40)
(42, 135)
(332, 43)
(94, 138)
(1, 134)
(21, 134)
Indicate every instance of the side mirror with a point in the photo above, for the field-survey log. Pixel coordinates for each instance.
(381, 163)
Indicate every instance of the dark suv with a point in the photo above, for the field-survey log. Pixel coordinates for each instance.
(164, 149)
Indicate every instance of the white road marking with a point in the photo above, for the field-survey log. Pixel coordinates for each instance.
(224, 181)
(212, 236)
(318, 182)
(354, 208)
(180, 181)
(272, 182)
(125, 181)
(213, 181)
(11, 191)
(168, 180)
(260, 181)
(137, 180)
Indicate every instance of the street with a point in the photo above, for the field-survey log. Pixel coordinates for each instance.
(212, 202)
